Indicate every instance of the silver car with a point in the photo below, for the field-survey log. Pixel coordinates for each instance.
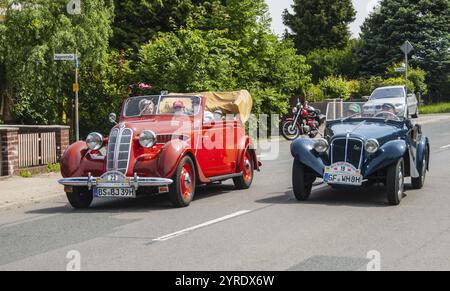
(395, 95)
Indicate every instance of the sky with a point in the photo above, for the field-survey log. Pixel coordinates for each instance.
(363, 7)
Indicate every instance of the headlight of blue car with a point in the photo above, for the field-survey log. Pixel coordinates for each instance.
(372, 146)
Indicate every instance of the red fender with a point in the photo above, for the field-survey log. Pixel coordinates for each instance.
(244, 146)
(76, 162)
(170, 157)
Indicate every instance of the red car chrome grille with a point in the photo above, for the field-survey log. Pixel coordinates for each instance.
(119, 150)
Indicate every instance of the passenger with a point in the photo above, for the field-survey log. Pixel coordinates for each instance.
(218, 116)
(354, 111)
(196, 108)
(178, 108)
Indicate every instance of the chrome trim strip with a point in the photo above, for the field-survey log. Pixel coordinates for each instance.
(92, 181)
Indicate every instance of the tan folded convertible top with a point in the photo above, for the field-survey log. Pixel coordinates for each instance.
(237, 102)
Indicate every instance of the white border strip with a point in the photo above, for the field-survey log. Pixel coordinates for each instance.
(445, 147)
(185, 231)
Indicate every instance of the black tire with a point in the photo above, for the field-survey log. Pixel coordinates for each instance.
(290, 131)
(245, 181)
(177, 195)
(416, 114)
(418, 183)
(80, 198)
(395, 182)
(302, 181)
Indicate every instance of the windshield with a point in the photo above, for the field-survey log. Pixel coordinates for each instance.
(162, 105)
(384, 93)
(353, 110)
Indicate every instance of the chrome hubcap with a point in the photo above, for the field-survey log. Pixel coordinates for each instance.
(187, 180)
(401, 185)
(248, 166)
(424, 170)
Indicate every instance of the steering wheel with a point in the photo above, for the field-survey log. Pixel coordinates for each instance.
(387, 113)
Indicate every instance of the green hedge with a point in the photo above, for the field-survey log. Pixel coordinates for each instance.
(435, 108)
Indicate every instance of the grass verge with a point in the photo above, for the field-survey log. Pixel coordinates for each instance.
(435, 108)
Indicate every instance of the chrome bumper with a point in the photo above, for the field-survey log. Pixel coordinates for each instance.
(115, 180)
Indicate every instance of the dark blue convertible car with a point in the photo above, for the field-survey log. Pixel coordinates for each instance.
(361, 148)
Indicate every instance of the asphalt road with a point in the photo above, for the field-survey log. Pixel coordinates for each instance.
(263, 228)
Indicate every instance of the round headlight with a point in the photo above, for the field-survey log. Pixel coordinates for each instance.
(94, 141)
(372, 146)
(295, 110)
(321, 145)
(147, 139)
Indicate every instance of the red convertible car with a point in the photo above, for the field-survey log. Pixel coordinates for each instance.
(164, 144)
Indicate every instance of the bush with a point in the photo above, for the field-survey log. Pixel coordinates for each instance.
(54, 168)
(26, 174)
(335, 88)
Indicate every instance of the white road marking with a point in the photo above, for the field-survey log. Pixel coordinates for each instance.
(187, 230)
(445, 147)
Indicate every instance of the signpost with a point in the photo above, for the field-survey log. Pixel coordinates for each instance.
(73, 58)
(406, 48)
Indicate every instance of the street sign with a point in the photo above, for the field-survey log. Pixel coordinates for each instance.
(407, 47)
(400, 70)
(64, 57)
(75, 87)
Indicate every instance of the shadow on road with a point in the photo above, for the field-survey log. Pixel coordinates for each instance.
(141, 204)
(370, 197)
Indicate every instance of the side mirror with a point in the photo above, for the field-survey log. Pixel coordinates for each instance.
(365, 98)
(113, 118)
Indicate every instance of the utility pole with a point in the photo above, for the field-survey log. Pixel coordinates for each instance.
(76, 89)
(73, 57)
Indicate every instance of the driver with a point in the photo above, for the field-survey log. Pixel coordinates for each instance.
(387, 107)
(178, 108)
(354, 110)
(146, 107)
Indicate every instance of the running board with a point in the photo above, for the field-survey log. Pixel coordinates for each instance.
(225, 177)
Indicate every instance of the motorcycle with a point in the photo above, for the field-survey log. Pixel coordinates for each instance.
(306, 121)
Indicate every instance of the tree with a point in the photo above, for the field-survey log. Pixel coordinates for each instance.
(319, 24)
(338, 62)
(137, 21)
(335, 88)
(425, 23)
(237, 51)
(38, 88)
(189, 61)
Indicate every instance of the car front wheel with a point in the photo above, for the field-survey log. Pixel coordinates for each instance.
(302, 181)
(80, 198)
(395, 182)
(182, 189)
(418, 183)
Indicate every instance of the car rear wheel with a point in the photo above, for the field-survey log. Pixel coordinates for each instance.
(182, 189)
(80, 198)
(395, 182)
(246, 180)
(418, 183)
(302, 181)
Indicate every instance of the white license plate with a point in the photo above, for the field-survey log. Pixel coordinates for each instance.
(103, 192)
(343, 174)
